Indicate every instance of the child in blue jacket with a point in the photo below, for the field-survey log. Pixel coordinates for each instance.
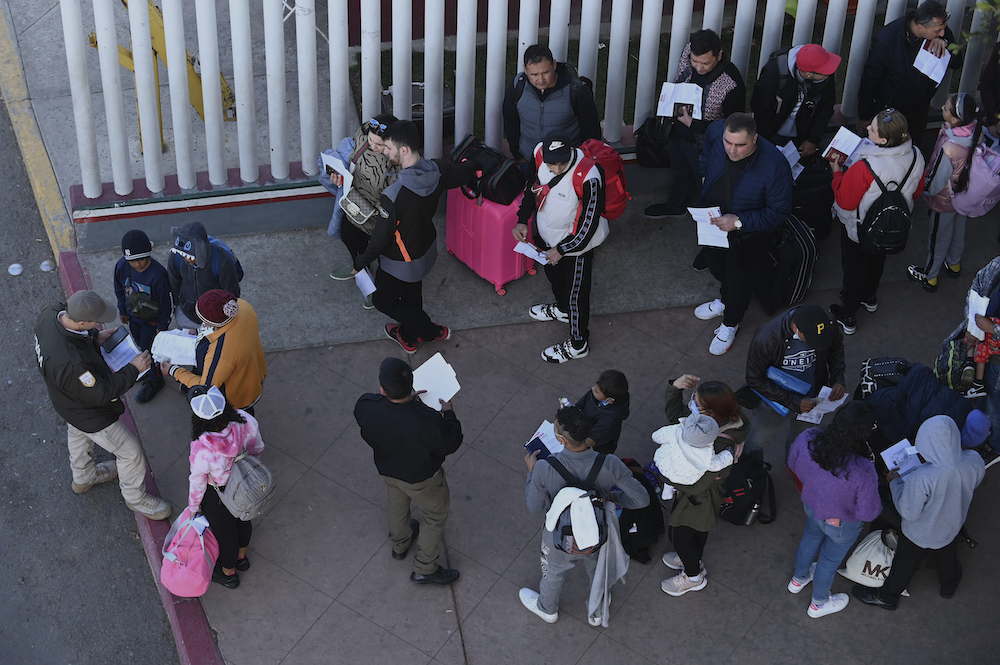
(607, 405)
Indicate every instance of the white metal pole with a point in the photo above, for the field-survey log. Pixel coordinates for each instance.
(833, 32)
(433, 77)
(680, 30)
(496, 70)
(305, 48)
(805, 22)
(402, 59)
(371, 59)
(274, 51)
(527, 28)
(145, 87)
(649, 51)
(894, 9)
(79, 85)
(746, 13)
(341, 100)
(974, 56)
(774, 18)
(465, 68)
(114, 107)
(559, 29)
(614, 99)
(590, 33)
(860, 39)
(180, 113)
(712, 19)
(211, 92)
(246, 109)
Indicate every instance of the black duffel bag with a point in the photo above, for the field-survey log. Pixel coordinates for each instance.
(498, 178)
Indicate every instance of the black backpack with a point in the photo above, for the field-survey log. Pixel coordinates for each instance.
(641, 528)
(498, 177)
(887, 222)
(563, 535)
(745, 488)
(878, 373)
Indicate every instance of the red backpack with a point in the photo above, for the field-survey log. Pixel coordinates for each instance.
(613, 170)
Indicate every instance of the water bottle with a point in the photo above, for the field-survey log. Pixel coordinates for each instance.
(752, 515)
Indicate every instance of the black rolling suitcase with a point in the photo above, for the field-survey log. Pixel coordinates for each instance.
(812, 196)
(499, 179)
(794, 258)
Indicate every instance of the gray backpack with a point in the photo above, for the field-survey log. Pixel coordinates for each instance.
(250, 488)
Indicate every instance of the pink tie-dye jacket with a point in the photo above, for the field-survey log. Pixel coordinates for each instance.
(212, 456)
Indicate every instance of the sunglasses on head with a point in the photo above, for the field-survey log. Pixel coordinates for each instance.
(376, 127)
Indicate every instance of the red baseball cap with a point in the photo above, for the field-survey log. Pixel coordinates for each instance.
(815, 58)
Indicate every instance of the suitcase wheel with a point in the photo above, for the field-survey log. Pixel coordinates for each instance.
(532, 271)
(451, 252)
(501, 291)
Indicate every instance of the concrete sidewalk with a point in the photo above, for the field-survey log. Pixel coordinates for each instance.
(323, 587)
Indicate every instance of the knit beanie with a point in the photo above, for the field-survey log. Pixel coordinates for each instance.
(699, 431)
(976, 429)
(217, 307)
(136, 245)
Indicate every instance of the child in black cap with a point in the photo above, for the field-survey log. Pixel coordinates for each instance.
(144, 300)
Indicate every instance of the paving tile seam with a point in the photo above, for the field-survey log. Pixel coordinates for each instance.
(313, 625)
(642, 332)
(33, 23)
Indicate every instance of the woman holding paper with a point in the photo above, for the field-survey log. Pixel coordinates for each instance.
(897, 163)
(839, 494)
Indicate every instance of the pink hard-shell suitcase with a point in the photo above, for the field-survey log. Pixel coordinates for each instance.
(479, 233)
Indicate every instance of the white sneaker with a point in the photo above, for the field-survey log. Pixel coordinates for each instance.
(724, 338)
(835, 603)
(680, 584)
(795, 586)
(564, 351)
(548, 312)
(599, 619)
(710, 310)
(529, 599)
(150, 506)
(105, 471)
(671, 560)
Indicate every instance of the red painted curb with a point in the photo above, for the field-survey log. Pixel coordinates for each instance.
(193, 636)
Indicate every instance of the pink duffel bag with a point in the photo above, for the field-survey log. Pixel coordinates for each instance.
(188, 558)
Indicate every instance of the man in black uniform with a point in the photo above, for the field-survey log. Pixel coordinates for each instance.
(85, 392)
(410, 441)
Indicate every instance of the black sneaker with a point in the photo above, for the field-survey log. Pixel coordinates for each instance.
(148, 392)
(228, 581)
(441, 576)
(920, 277)
(976, 390)
(664, 210)
(990, 456)
(953, 270)
(847, 323)
(871, 304)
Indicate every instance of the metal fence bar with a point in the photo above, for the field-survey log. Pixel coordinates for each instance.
(649, 51)
(305, 48)
(114, 105)
(79, 85)
(274, 53)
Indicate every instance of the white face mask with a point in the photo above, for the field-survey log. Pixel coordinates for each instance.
(693, 406)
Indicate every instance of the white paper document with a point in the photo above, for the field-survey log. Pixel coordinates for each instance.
(824, 405)
(672, 94)
(438, 379)
(176, 347)
(844, 144)
(546, 433)
(902, 456)
(334, 163)
(791, 153)
(531, 252)
(930, 65)
(977, 305)
(123, 350)
(709, 234)
(364, 280)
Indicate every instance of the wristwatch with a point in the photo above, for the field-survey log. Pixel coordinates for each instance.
(737, 224)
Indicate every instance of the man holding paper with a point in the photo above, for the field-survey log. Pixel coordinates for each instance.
(750, 181)
(410, 442)
(87, 394)
(891, 78)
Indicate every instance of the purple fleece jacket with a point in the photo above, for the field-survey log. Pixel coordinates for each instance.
(851, 496)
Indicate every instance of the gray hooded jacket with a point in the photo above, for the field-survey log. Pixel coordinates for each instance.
(934, 499)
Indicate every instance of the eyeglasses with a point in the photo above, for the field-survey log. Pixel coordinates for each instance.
(376, 126)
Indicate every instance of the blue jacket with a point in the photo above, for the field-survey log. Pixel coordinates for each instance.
(762, 197)
(901, 409)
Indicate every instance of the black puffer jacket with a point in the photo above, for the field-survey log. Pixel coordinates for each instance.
(82, 387)
(901, 409)
(768, 348)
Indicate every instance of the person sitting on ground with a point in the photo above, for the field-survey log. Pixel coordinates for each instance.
(197, 266)
(372, 172)
(144, 301)
(696, 506)
(614, 482)
(975, 432)
(948, 174)
(230, 355)
(839, 494)
(794, 96)
(933, 501)
(895, 160)
(606, 404)
(219, 434)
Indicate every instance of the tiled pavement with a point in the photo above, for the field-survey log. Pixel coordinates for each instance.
(323, 588)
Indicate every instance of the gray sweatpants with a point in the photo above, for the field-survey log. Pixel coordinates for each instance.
(946, 241)
(555, 565)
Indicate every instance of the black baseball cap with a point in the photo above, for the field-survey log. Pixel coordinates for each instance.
(815, 324)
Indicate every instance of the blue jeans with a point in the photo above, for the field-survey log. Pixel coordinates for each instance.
(992, 382)
(831, 544)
